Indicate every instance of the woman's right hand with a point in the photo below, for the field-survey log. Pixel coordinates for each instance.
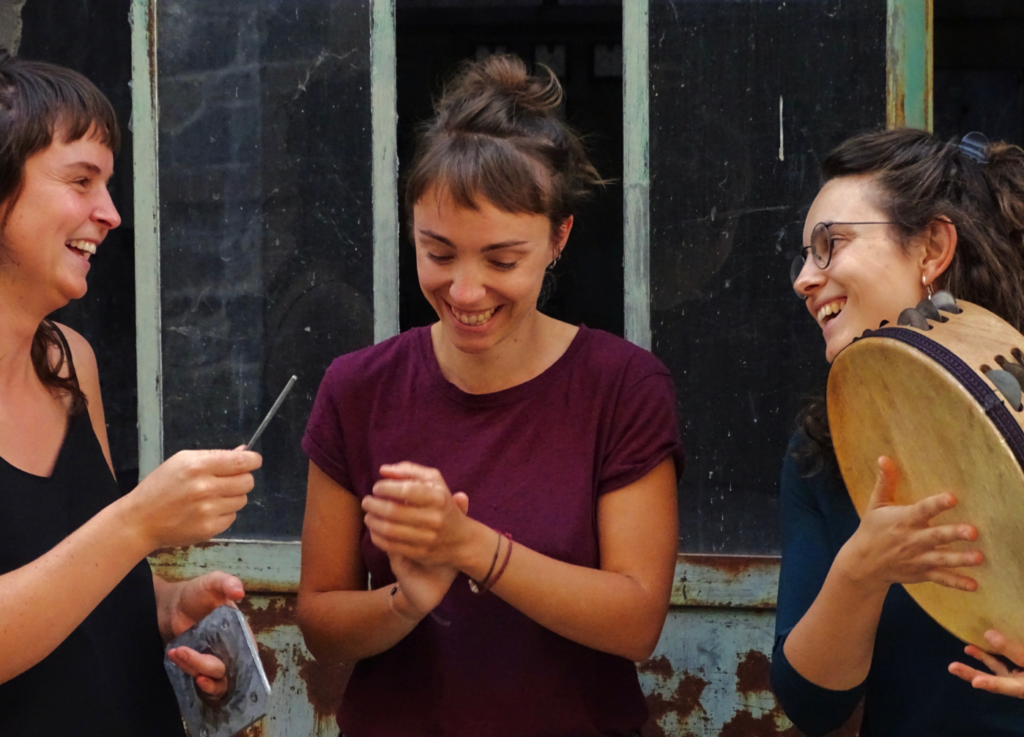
(192, 496)
(898, 544)
(422, 587)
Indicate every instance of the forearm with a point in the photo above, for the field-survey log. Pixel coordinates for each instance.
(345, 626)
(44, 601)
(605, 610)
(832, 644)
(167, 596)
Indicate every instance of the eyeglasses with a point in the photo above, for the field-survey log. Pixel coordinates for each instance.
(821, 248)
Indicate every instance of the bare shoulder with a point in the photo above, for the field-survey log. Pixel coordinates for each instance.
(87, 370)
(81, 353)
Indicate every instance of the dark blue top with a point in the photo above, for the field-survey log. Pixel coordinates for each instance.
(909, 690)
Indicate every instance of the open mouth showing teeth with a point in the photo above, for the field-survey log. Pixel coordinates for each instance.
(83, 246)
(478, 318)
(829, 311)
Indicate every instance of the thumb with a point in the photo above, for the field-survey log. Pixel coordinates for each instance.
(223, 588)
(461, 501)
(884, 492)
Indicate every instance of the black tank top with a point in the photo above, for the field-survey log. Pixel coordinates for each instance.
(107, 678)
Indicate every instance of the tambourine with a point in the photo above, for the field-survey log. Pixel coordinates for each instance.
(940, 394)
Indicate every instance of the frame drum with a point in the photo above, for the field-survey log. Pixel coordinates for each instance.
(932, 394)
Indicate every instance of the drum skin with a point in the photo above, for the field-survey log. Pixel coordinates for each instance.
(886, 397)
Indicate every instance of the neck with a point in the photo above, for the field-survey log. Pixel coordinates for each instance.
(17, 328)
(523, 355)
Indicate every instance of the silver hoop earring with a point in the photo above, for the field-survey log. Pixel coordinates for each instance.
(554, 260)
(926, 286)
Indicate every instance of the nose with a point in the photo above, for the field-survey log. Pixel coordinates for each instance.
(104, 211)
(809, 278)
(467, 286)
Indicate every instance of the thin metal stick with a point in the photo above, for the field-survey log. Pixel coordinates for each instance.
(272, 412)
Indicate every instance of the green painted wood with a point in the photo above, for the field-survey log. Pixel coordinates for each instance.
(384, 116)
(267, 566)
(147, 232)
(636, 173)
(909, 64)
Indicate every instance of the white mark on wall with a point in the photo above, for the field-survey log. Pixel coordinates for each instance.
(782, 140)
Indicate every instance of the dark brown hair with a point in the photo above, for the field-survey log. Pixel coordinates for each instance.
(921, 178)
(39, 102)
(496, 134)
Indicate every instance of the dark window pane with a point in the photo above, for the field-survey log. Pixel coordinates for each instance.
(266, 225)
(746, 98)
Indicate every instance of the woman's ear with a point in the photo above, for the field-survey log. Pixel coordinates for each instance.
(561, 237)
(939, 248)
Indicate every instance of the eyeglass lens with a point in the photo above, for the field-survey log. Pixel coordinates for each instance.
(820, 249)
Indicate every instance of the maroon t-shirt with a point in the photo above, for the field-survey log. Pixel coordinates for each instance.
(533, 460)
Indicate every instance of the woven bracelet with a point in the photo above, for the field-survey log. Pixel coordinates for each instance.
(479, 588)
(508, 554)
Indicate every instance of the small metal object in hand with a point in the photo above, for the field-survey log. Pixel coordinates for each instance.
(225, 634)
(273, 411)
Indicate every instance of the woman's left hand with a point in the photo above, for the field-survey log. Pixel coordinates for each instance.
(412, 513)
(1006, 681)
(192, 601)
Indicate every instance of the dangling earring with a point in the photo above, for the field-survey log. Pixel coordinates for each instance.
(926, 285)
(554, 260)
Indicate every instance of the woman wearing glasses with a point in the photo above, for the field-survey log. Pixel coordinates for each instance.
(901, 214)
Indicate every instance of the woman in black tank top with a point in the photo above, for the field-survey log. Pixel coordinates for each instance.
(82, 619)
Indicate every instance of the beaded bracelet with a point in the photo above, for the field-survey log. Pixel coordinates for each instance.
(508, 554)
(479, 588)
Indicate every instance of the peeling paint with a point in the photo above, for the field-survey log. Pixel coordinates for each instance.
(745, 724)
(280, 610)
(325, 683)
(753, 674)
(269, 659)
(659, 666)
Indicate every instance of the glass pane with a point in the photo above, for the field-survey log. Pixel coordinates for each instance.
(746, 99)
(265, 224)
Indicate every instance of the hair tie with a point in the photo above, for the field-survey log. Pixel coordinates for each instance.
(973, 146)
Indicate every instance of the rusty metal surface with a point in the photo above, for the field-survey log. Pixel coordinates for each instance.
(708, 676)
(731, 581)
(304, 692)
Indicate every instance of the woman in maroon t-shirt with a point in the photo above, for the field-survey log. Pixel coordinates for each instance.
(517, 604)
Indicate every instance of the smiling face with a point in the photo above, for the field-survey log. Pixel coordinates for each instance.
(871, 276)
(481, 270)
(60, 217)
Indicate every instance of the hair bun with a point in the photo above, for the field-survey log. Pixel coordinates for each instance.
(499, 95)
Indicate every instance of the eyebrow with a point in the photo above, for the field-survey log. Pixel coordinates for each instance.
(492, 247)
(88, 166)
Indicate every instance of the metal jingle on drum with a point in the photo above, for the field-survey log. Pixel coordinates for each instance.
(1015, 369)
(914, 319)
(1007, 385)
(929, 310)
(945, 301)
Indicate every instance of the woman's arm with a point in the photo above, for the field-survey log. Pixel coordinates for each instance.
(191, 497)
(619, 608)
(832, 644)
(340, 619)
